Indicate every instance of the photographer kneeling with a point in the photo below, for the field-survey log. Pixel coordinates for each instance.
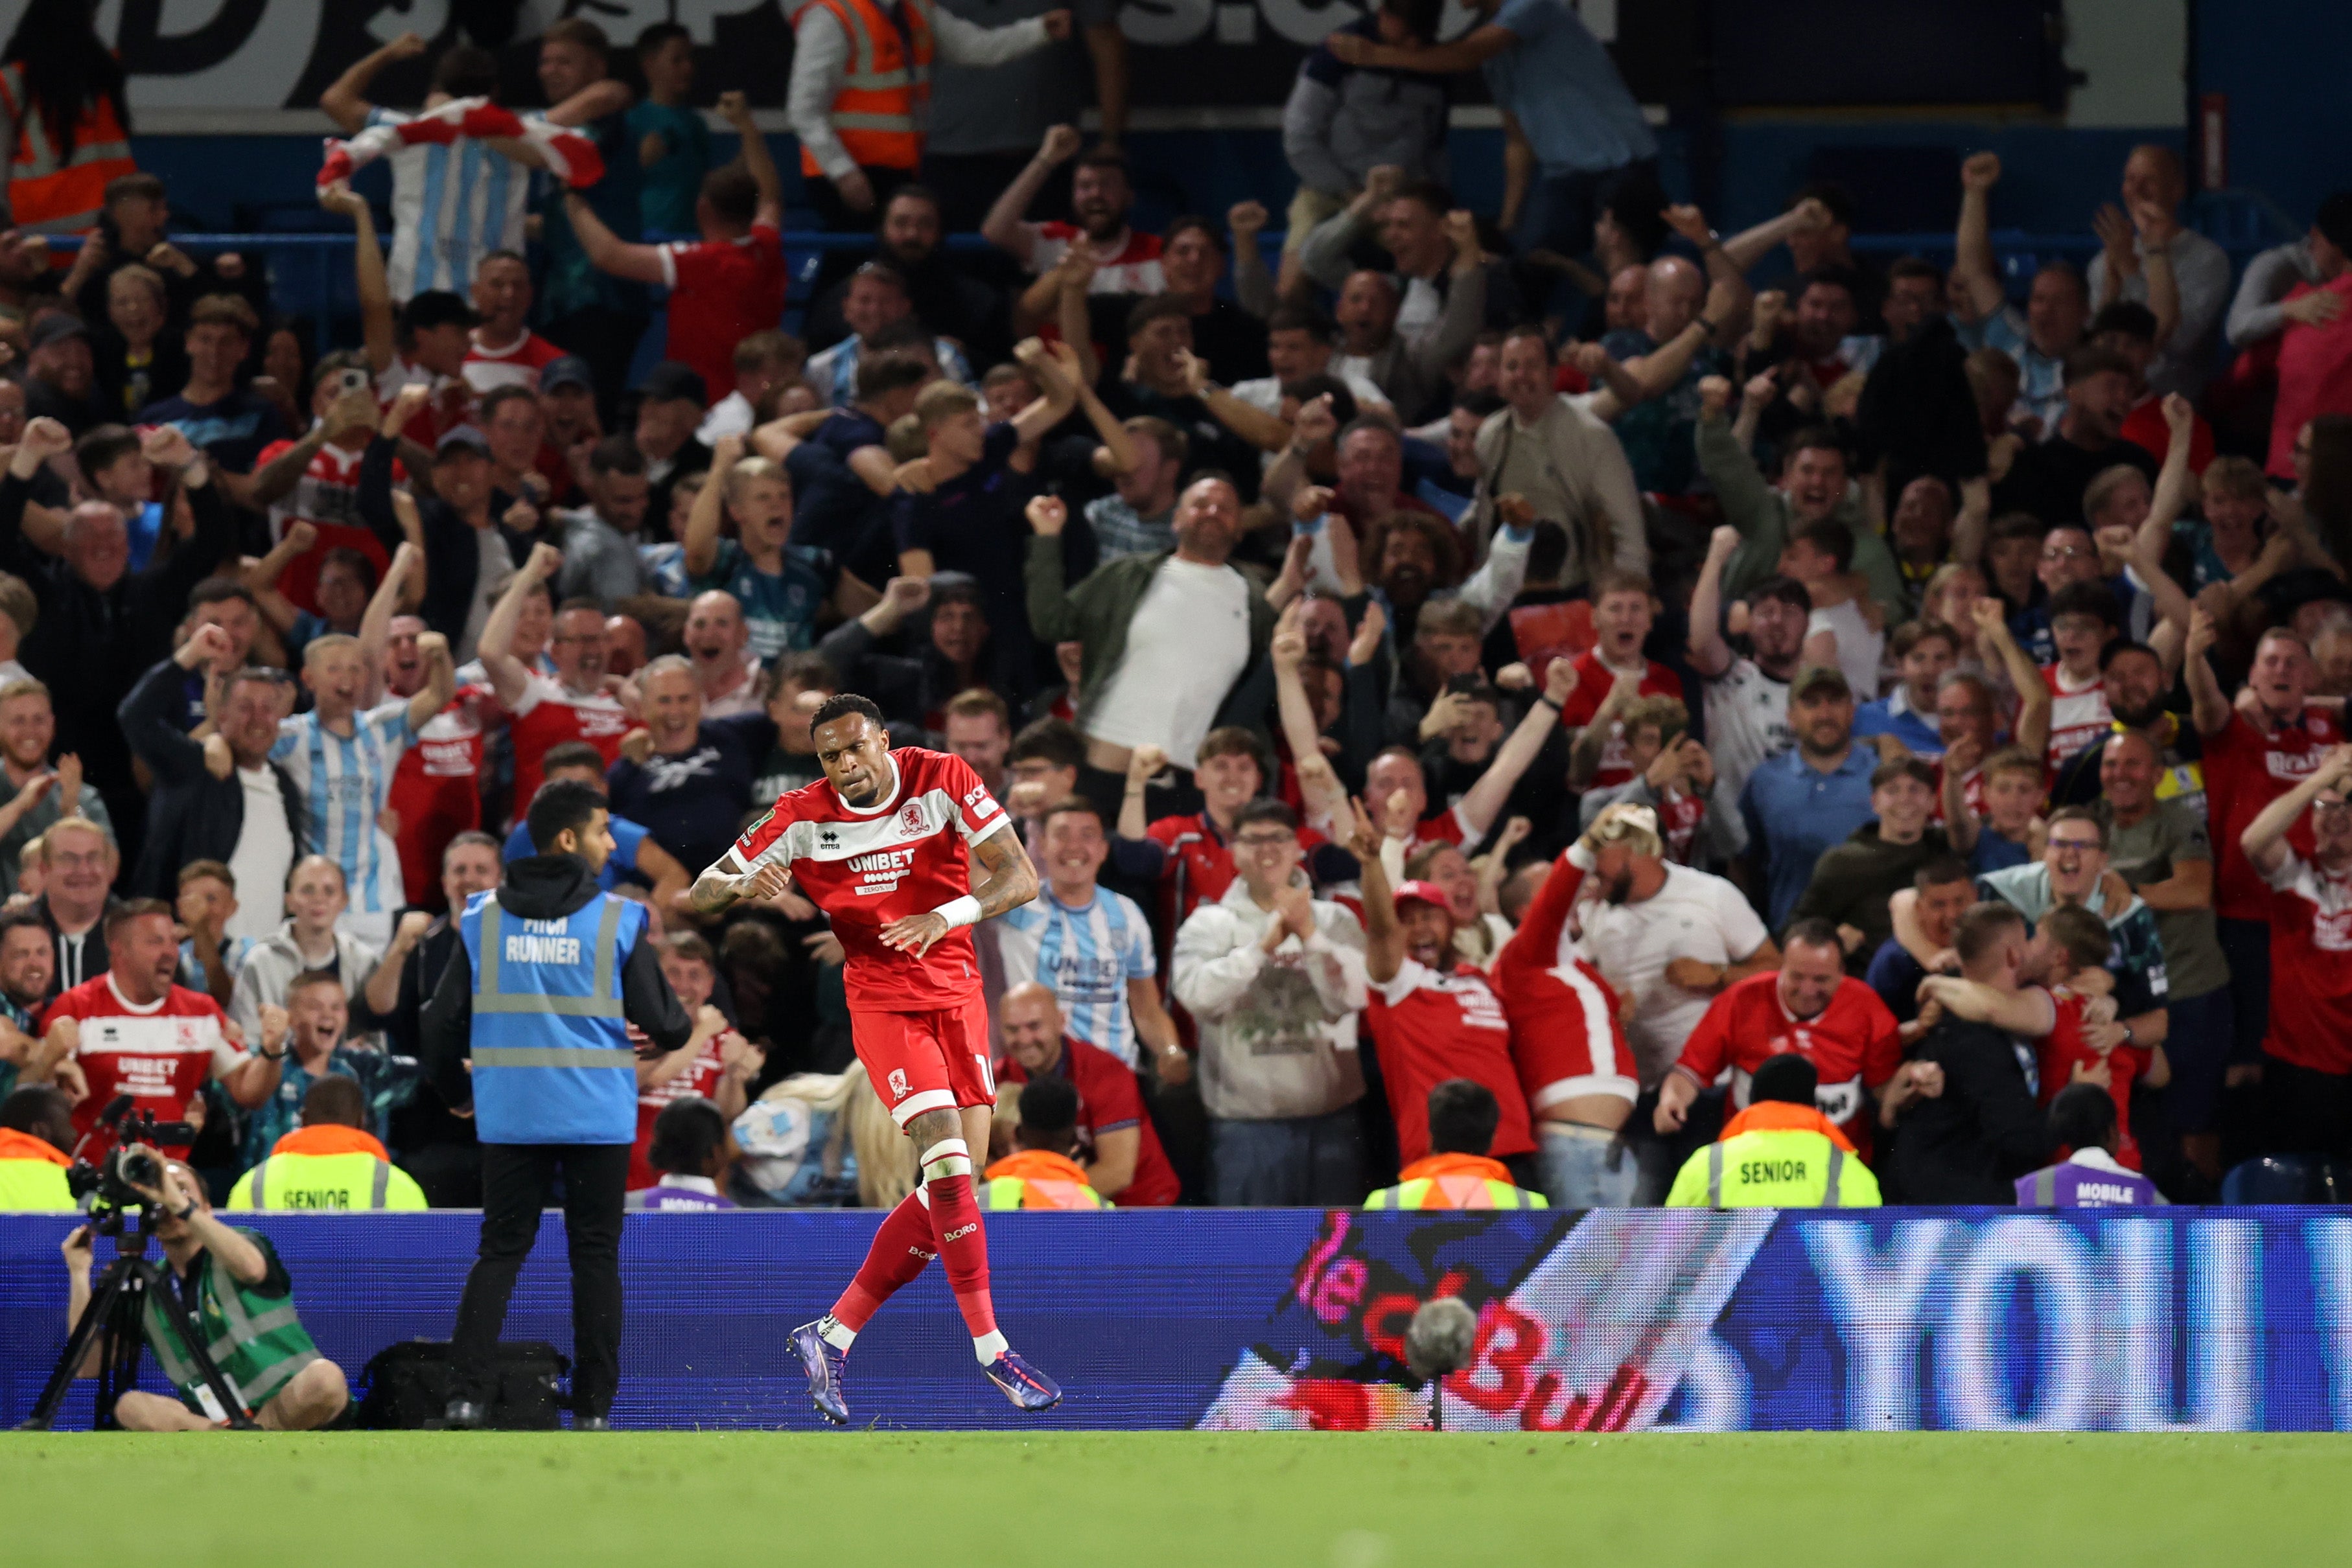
(231, 1286)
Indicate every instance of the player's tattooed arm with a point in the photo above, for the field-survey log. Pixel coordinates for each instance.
(718, 889)
(1007, 880)
(1004, 879)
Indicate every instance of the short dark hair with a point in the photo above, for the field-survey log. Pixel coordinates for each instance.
(1834, 274)
(1787, 590)
(36, 1106)
(1982, 926)
(1101, 157)
(467, 71)
(572, 753)
(1157, 307)
(732, 193)
(2082, 814)
(616, 454)
(1049, 1107)
(1420, 17)
(132, 909)
(841, 704)
(1942, 872)
(1292, 315)
(1915, 266)
(1273, 811)
(808, 669)
(2082, 1116)
(2126, 318)
(334, 1101)
(1814, 932)
(1463, 1116)
(2017, 526)
(1053, 740)
(690, 944)
(1816, 438)
(1074, 806)
(1533, 331)
(2118, 646)
(566, 805)
(1176, 226)
(880, 373)
(2090, 361)
(105, 445)
(1830, 537)
(2095, 598)
(216, 590)
(686, 1134)
(1918, 769)
(581, 31)
(660, 32)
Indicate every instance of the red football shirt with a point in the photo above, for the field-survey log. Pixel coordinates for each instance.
(549, 715)
(516, 365)
(327, 497)
(1852, 1045)
(1593, 680)
(2245, 771)
(1109, 1101)
(2078, 715)
(161, 1054)
(2310, 916)
(868, 866)
(437, 789)
(720, 294)
(2315, 373)
(1428, 1028)
(2057, 1053)
(700, 1078)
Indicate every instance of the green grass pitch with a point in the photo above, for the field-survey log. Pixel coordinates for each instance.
(1140, 1499)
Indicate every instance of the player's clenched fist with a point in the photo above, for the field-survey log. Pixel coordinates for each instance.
(916, 933)
(764, 881)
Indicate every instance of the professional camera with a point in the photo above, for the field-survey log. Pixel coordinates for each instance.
(112, 1185)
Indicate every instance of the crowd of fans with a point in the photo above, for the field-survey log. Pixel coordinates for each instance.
(1580, 654)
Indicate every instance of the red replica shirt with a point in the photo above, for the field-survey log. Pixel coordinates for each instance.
(1972, 792)
(1109, 1101)
(2145, 428)
(2245, 771)
(699, 1078)
(1428, 1028)
(868, 866)
(1593, 680)
(436, 788)
(2078, 715)
(1852, 1045)
(327, 497)
(721, 292)
(2315, 373)
(551, 714)
(2310, 916)
(2058, 1051)
(160, 1054)
(516, 365)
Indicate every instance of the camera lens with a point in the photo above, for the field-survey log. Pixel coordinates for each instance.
(139, 1169)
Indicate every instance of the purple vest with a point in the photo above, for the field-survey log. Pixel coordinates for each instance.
(681, 1200)
(2071, 1186)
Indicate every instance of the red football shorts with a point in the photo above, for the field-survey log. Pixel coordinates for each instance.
(927, 1061)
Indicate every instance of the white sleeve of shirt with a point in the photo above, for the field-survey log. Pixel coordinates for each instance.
(820, 58)
(2288, 876)
(1408, 979)
(536, 690)
(1736, 920)
(964, 43)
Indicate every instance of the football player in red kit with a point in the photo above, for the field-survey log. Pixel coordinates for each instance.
(880, 844)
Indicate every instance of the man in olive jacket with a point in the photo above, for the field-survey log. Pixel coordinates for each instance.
(1175, 642)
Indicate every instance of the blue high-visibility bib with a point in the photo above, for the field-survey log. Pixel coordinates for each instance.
(552, 1058)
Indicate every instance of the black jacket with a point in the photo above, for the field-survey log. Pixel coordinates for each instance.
(453, 558)
(540, 887)
(191, 815)
(1970, 1144)
(92, 645)
(94, 959)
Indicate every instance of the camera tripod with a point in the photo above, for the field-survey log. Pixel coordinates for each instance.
(115, 1321)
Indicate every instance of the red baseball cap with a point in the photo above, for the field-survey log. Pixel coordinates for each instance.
(1419, 891)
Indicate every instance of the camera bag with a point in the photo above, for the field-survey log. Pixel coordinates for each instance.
(407, 1386)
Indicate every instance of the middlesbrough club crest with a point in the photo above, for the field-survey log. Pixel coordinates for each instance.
(911, 819)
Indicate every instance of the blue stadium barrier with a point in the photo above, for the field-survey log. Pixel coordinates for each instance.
(1609, 1320)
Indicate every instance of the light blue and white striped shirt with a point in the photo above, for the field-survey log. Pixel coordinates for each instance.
(452, 204)
(345, 781)
(1087, 955)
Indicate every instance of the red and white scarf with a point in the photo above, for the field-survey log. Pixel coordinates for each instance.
(571, 157)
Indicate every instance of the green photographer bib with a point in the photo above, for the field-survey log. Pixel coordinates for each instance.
(256, 1340)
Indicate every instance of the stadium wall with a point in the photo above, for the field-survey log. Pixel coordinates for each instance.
(1610, 1320)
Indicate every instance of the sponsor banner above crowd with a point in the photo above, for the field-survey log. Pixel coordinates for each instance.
(242, 64)
(1611, 1320)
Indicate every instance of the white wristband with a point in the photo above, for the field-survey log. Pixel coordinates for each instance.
(964, 911)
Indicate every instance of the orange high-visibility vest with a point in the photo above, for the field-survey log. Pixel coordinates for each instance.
(879, 112)
(62, 195)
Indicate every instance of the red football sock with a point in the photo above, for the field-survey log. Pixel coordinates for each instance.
(902, 1246)
(955, 1222)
